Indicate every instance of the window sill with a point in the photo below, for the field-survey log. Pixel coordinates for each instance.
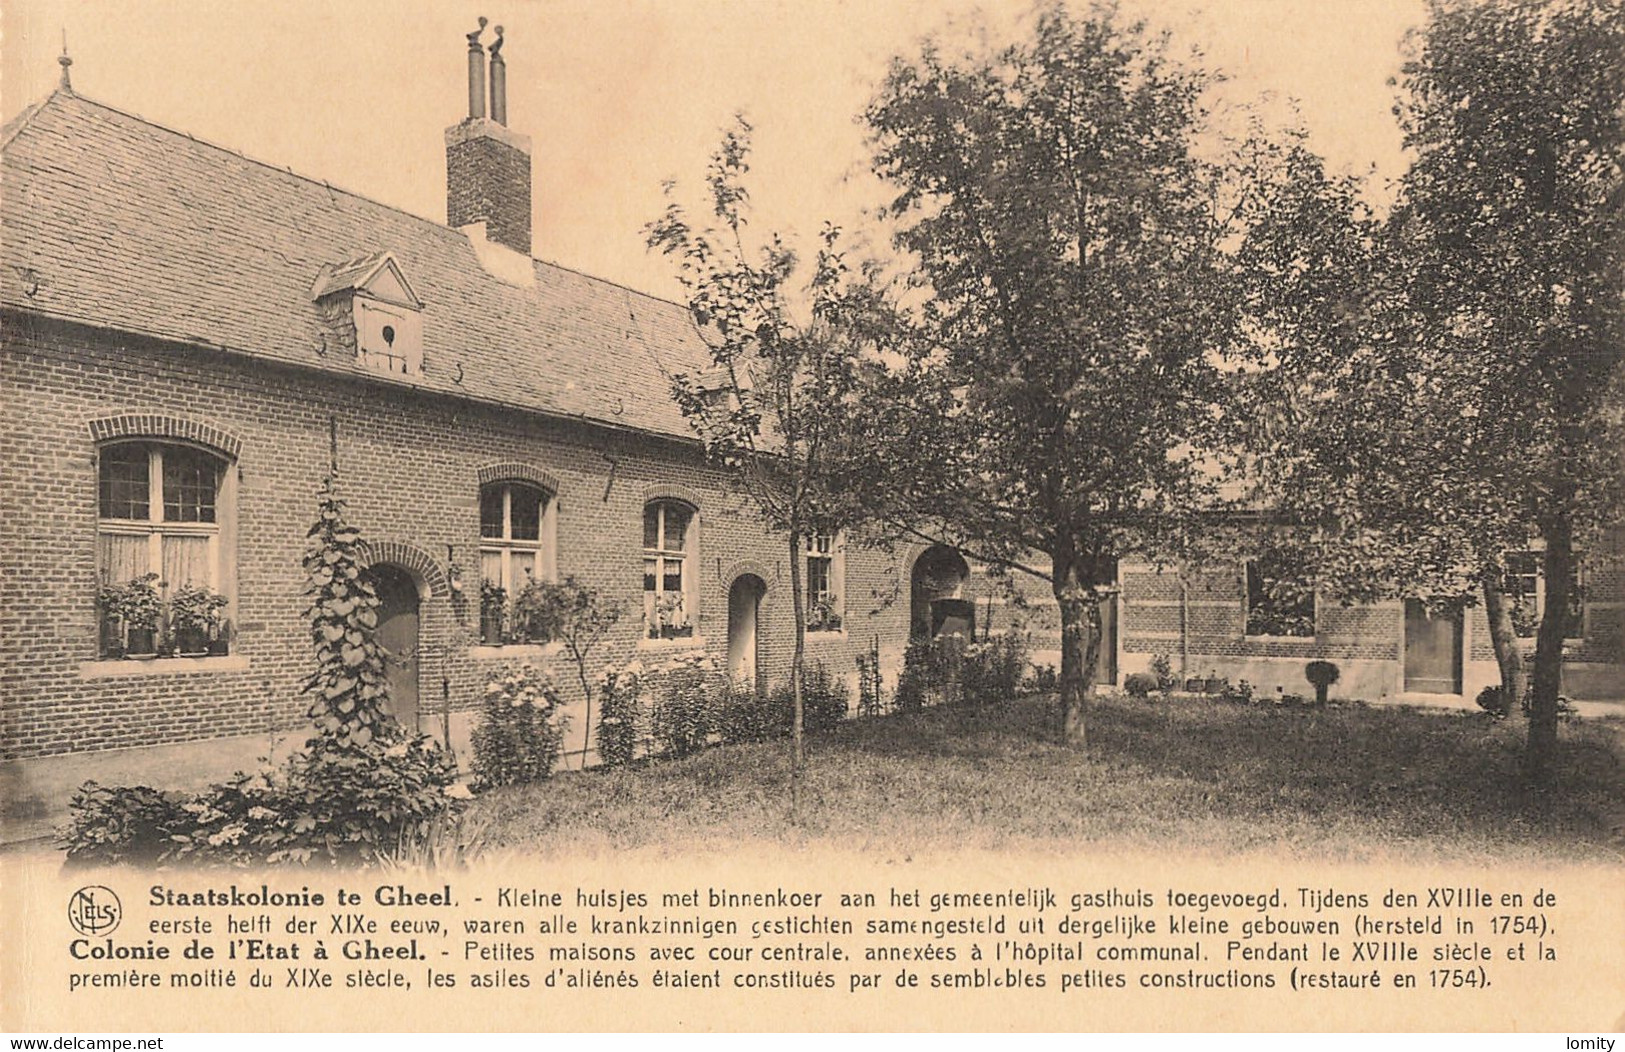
(514, 649)
(483, 652)
(1280, 639)
(680, 643)
(817, 635)
(117, 667)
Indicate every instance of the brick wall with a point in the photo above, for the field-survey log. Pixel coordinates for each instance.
(488, 180)
(409, 469)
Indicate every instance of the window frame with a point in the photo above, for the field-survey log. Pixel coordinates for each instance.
(662, 556)
(830, 548)
(1536, 575)
(1255, 567)
(544, 548)
(219, 534)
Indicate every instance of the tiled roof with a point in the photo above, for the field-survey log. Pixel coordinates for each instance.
(112, 221)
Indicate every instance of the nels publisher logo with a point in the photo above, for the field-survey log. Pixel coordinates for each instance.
(94, 910)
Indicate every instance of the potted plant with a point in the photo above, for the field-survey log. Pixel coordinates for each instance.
(136, 608)
(493, 608)
(671, 621)
(220, 642)
(824, 615)
(536, 612)
(194, 616)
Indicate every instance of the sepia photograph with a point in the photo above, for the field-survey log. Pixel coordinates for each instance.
(707, 515)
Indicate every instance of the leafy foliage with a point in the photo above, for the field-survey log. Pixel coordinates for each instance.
(520, 730)
(348, 689)
(681, 714)
(111, 824)
(135, 603)
(336, 804)
(993, 669)
(773, 407)
(1446, 385)
(1058, 391)
(620, 691)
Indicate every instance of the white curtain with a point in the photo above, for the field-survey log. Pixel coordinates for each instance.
(186, 561)
(124, 556)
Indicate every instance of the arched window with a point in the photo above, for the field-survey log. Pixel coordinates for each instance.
(669, 529)
(517, 527)
(162, 508)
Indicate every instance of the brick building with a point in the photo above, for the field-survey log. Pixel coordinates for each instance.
(192, 339)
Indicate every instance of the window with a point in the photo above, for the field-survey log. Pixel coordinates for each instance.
(1525, 588)
(1278, 603)
(668, 570)
(516, 536)
(159, 518)
(825, 581)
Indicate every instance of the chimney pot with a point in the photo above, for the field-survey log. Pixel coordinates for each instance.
(499, 81)
(476, 73)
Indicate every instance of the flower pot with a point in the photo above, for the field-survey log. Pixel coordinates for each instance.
(219, 646)
(1195, 685)
(191, 641)
(491, 629)
(111, 644)
(1214, 686)
(141, 643)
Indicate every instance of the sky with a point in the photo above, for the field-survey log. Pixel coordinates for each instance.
(620, 95)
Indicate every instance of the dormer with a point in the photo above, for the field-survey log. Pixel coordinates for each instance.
(378, 317)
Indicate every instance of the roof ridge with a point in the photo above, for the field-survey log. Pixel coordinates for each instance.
(23, 119)
(11, 128)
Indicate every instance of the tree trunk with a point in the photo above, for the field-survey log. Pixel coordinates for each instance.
(1080, 644)
(1504, 638)
(1548, 679)
(798, 754)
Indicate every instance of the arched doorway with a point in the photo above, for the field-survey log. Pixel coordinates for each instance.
(744, 637)
(937, 606)
(398, 638)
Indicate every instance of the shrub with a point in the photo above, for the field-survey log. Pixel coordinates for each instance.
(824, 698)
(1044, 680)
(338, 803)
(931, 673)
(112, 824)
(871, 684)
(993, 670)
(1493, 700)
(1163, 669)
(1321, 674)
(1140, 684)
(621, 716)
(520, 728)
(680, 716)
(1240, 693)
(744, 714)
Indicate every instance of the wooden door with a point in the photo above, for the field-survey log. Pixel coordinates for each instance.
(1432, 649)
(1106, 664)
(398, 636)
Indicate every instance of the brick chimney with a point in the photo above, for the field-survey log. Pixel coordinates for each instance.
(488, 166)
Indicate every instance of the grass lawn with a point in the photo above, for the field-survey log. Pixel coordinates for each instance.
(1346, 783)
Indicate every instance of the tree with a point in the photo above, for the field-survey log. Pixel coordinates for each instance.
(1512, 212)
(1448, 384)
(1059, 384)
(772, 407)
(581, 618)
